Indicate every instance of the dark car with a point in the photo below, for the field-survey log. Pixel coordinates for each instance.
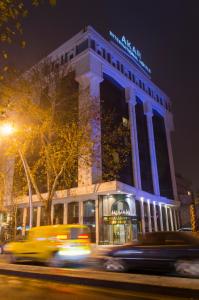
(160, 251)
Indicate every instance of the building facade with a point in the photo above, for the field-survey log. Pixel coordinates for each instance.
(144, 199)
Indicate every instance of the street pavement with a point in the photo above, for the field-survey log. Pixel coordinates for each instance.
(22, 281)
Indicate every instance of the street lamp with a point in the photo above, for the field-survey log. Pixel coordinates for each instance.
(8, 129)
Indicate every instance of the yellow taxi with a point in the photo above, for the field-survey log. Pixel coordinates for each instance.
(54, 245)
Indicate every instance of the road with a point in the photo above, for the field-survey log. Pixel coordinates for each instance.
(17, 288)
(22, 282)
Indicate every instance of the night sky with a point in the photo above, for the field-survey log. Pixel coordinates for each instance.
(167, 34)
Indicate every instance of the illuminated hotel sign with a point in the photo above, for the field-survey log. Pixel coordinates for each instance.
(113, 220)
(130, 49)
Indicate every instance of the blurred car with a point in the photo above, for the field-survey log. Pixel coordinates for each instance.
(55, 245)
(2, 245)
(185, 229)
(160, 251)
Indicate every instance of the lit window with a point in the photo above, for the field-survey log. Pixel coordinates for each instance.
(125, 122)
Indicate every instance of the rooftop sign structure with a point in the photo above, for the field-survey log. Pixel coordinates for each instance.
(130, 49)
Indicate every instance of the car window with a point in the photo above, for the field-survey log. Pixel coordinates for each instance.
(176, 239)
(152, 239)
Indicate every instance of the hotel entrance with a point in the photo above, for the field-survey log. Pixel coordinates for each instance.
(118, 224)
(122, 233)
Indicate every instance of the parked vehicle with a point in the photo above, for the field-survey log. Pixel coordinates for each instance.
(160, 251)
(54, 245)
(185, 229)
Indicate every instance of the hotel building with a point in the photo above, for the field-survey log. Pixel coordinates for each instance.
(144, 198)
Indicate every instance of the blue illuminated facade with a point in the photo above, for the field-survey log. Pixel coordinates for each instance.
(144, 197)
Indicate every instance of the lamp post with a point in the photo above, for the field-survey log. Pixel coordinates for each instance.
(7, 130)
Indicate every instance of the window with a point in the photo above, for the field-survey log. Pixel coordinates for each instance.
(66, 57)
(176, 239)
(43, 216)
(104, 53)
(99, 52)
(34, 216)
(151, 239)
(52, 66)
(73, 213)
(81, 47)
(130, 77)
(71, 56)
(109, 57)
(133, 78)
(58, 213)
(118, 65)
(19, 216)
(125, 122)
(116, 158)
(122, 68)
(89, 217)
(93, 45)
(149, 90)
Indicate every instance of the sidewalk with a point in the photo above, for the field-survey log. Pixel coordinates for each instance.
(89, 274)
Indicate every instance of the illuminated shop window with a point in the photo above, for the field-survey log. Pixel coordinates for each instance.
(89, 217)
(73, 213)
(58, 213)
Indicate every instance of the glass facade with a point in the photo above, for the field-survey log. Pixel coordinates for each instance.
(34, 223)
(73, 213)
(162, 156)
(19, 217)
(117, 219)
(89, 217)
(143, 145)
(116, 164)
(58, 213)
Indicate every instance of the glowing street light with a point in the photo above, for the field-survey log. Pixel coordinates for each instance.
(8, 129)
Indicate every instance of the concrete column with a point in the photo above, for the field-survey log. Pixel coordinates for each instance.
(142, 215)
(24, 220)
(97, 220)
(171, 219)
(169, 126)
(131, 99)
(52, 213)
(149, 114)
(149, 215)
(65, 221)
(161, 219)
(155, 216)
(175, 219)
(81, 212)
(90, 165)
(167, 218)
(38, 215)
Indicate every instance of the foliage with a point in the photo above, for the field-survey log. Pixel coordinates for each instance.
(12, 13)
(52, 136)
(47, 131)
(116, 145)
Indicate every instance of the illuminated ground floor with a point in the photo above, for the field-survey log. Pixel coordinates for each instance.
(115, 213)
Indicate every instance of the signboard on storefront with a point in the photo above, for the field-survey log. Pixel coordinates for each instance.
(128, 46)
(119, 219)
